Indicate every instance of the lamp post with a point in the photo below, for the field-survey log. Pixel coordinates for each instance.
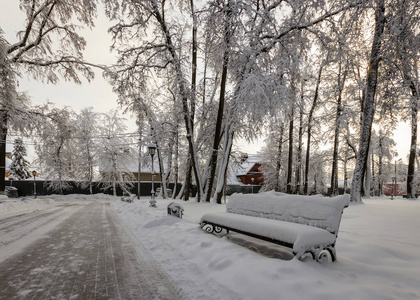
(252, 186)
(152, 151)
(34, 174)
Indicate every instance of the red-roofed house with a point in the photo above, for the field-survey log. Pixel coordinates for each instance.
(249, 171)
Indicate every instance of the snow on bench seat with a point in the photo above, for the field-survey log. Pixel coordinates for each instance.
(298, 235)
(305, 223)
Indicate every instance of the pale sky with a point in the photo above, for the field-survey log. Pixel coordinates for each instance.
(98, 94)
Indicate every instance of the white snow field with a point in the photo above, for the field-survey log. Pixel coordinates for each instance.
(378, 251)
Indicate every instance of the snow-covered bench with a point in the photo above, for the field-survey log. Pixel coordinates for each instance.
(307, 224)
(129, 198)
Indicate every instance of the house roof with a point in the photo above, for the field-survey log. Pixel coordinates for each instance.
(246, 166)
(132, 165)
(239, 169)
(146, 166)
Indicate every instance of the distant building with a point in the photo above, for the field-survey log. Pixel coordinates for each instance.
(398, 189)
(131, 169)
(146, 170)
(245, 176)
(249, 171)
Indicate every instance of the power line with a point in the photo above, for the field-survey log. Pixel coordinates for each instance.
(128, 134)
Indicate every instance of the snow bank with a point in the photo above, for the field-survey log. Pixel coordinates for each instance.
(22, 205)
(378, 255)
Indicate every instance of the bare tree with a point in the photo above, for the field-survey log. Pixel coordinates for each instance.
(47, 47)
(310, 125)
(87, 146)
(259, 37)
(402, 56)
(55, 151)
(143, 56)
(115, 154)
(369, 102)
(227, 35)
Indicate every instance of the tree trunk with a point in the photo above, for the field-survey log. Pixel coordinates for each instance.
(290, 160)
(220, 112)
(299, 148)
(369, 103)
(374, 181)
(114, 174)
(163, 188)
(413, 149)
(346, 176)
(188, 173)
(380, 165)
(224, 166)
(189, 126)
(176, 164)
(279, 156)
(90, 162)
(139, 159)
(309, 132)
(339, 112)
(3, 136)
(368, 177)
(60, 165)
(188, 179)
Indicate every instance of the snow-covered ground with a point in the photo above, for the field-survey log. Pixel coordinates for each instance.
(378, 251)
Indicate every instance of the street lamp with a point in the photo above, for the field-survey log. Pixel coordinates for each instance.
(34, 174)
(152, 151)
(252, 186)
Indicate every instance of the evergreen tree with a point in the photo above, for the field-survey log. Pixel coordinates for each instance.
(19, 168)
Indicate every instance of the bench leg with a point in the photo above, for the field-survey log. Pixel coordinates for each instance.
(307, 255)
(325, 255)
(211, 228)
(321, 255)
(333, 253)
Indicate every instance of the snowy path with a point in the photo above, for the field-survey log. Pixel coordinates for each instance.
(87, 256)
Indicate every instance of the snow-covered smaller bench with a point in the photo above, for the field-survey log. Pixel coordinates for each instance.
(307, 224)
(129, 198)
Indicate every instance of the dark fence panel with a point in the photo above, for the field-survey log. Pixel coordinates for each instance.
(242, 189)
(26, 188)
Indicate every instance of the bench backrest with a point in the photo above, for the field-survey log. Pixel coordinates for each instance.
(317, 211)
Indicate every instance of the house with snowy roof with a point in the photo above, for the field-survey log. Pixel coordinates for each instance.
(246, 176)
(146, 169)
(249, 170)
(130, 168)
